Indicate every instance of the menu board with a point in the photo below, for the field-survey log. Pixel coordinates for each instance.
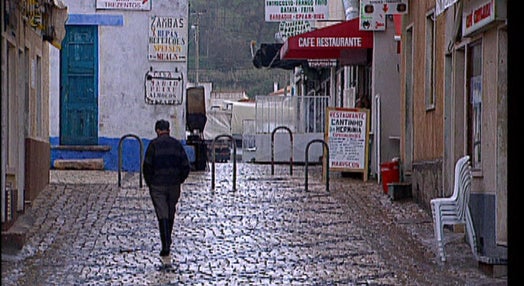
(347, 136)
(164, 87)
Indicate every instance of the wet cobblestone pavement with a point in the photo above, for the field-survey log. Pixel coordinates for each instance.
(85, 230)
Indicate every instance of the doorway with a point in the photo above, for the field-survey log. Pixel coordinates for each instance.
(78, 86)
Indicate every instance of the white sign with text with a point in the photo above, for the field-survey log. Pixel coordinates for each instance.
(141, 5)
(164, 87)
(296, 10)
(347, 138)
(168, 39)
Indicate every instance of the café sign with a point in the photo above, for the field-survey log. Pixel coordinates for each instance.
(477, 17)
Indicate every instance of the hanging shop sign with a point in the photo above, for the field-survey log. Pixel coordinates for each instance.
(296, 10)
(164, 87)
(141, 5)
(168, 39)
(347, 135)
(373, 13)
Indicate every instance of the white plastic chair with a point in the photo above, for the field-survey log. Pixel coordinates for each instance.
(455, 209)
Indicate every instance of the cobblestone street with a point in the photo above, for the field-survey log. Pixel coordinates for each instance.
(85, 230)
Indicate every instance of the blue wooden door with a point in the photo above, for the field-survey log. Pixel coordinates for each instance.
(78, 86)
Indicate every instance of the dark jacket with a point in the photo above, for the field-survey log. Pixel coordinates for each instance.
(166, 162)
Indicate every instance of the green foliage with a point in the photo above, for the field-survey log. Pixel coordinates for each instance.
(226, 30)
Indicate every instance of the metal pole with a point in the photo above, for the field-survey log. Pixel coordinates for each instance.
(197, 44)
(197, 50)
(232, 140)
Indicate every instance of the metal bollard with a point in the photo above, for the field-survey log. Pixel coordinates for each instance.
(120, 156)
(273, 149)
(326, 148)
(234, 160)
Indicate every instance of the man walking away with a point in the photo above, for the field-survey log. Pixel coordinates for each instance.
(165, 168)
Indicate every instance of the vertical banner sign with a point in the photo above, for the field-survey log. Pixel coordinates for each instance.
(164, 87)
(168, 39)
(141, 5)
(347, 135)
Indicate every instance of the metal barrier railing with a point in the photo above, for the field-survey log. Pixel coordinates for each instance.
(303, 114)
(326, 148)
(273, 149)
(234, 160)
(120, 157)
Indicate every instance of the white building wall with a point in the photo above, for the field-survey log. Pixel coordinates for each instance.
(123, 63)
(386, 88)
(54, 92)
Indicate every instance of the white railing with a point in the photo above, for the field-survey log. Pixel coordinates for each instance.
(301, 114)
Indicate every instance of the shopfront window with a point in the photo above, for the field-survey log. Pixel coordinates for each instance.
(430, 62)
(475, 103)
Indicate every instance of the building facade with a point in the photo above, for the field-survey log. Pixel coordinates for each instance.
(123, 66)
(354, 76)
(454, 103)
(29, 29)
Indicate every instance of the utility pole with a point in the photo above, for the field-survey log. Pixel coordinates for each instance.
(197, 49)
(196, 27)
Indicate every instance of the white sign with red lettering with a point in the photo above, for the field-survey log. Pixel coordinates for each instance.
(478, 17)
(347, 138)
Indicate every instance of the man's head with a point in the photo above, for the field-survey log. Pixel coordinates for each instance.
(162, 126)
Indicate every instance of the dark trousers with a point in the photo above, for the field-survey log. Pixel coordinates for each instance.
(165, 199)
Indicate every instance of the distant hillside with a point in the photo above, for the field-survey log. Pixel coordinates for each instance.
(227, 27)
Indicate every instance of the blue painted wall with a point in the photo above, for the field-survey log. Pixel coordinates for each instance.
(130, 153)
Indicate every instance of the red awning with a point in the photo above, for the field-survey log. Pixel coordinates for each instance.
(338, 41)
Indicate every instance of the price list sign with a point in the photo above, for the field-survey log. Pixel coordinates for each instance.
(347, 135)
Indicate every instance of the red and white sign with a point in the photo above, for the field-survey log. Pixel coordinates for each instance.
(373, 13)
(330, 42)
(347, 137)
(478, 17)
